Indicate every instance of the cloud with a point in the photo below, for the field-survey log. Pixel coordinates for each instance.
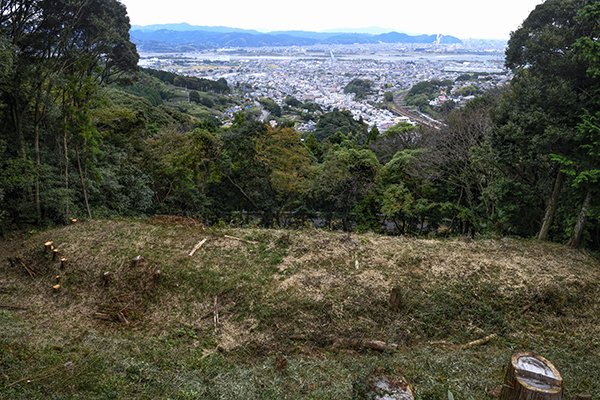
(463, 18)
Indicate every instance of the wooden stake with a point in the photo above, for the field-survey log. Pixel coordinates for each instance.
(216, 315)
(136, 261)
(57, 278)
(156, 276)
(49, 246)
(531, 377)
(63, 262)
(107, 277)
(55, 254)
(197, 247)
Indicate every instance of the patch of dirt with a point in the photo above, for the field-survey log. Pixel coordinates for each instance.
(309, 283)
(232, 335)
(373, 280)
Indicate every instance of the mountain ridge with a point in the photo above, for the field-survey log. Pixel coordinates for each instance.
(185, 37)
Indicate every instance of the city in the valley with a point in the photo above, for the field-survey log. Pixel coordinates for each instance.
(319, 76)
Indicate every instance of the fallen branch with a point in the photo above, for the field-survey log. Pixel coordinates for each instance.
(122, 318)
(9, 307)
(358, 344)
(479, 342)
(240, 240)
(30, 271)
(197, 247)
(465, 346)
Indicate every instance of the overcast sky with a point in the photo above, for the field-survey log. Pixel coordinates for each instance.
(485, 19)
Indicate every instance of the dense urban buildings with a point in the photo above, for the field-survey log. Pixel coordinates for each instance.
(320, 73)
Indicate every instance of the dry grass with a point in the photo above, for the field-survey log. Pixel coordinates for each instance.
(292, 293)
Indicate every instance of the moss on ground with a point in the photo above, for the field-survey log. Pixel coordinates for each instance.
(285, 295)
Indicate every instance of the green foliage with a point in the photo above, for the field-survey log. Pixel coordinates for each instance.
(343, 180)
(429, 88)
(397, 203)
(341, 121)
(312, 107)
(360, 87)
(82, 132)
(469, 90)
(199, 84)
(202, 98)
(373, 134)
(270, 105)
(292, 101)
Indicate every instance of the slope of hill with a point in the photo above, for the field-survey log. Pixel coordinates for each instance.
(177, 37)
(257, 314)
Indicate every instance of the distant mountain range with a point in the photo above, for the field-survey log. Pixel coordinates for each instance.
(185, 37)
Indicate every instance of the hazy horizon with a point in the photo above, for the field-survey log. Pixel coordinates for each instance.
(462, 18)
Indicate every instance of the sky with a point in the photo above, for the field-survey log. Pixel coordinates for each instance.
(482, 19)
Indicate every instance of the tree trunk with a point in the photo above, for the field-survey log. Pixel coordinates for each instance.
(38, 166)
(575, 241)
(66, 158)
(17, 122)
(83, 188)
(551, 208)
(531, 377)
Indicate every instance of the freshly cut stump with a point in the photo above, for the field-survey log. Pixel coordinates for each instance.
(531, 377)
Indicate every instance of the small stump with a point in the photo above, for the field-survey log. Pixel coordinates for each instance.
(136, 261)
(531, 377)
(396, 299)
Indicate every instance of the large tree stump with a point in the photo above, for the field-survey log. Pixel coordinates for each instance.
(531, 377)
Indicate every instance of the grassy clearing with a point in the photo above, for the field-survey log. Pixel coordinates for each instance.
(289, 294)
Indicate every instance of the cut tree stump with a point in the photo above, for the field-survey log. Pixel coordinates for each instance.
(137, 261)
(63, 262)
(55, 254)
(107, 277)
(49, 245)
(531, 377)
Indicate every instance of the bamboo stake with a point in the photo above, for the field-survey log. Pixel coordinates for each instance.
(197, 247)
(479, 342)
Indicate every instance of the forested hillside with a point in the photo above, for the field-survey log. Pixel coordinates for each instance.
(86, 134)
